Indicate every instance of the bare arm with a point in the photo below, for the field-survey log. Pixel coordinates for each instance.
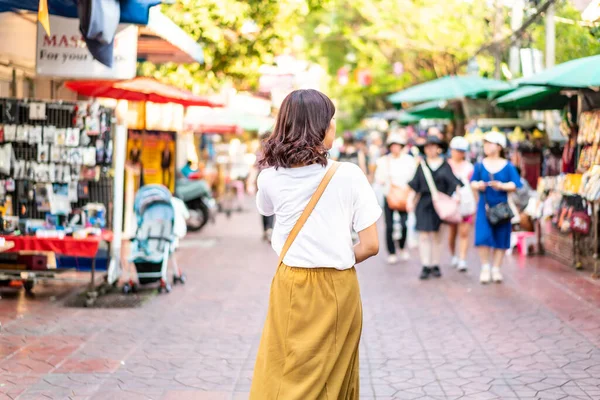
(369, 244)
(505, 187)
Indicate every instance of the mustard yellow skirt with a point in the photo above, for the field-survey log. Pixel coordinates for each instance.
(309, 345)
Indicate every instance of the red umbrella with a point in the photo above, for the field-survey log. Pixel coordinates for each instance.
(140, 89)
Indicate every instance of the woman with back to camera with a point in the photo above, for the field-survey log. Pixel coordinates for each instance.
(309, 345)
(494, 178)
(428, 221)
(463, 170)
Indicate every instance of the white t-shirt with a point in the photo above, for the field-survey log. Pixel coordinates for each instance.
(347, 204)
(395, 170)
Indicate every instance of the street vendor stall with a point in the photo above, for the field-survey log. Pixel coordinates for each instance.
(155, 114)
(55, 181)
(570, 201)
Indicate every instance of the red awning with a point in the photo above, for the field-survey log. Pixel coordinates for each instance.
(213, 128)
(140, 89)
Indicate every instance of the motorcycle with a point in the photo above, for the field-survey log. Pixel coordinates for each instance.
(197, 196)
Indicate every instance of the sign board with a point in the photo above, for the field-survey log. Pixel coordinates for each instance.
(64, 54)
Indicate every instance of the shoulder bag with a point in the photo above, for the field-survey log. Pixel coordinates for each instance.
(398, 195)
(500, 213)
(446, 207)
(307, 211)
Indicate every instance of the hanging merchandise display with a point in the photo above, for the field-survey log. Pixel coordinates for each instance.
(48, 150)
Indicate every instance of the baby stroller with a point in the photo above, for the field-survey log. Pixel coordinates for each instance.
(154, 240)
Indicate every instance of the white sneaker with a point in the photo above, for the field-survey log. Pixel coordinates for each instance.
(486, 274)
(497, 275)
(392, 259)
(462, 266)
(405, 255)
(455, 261)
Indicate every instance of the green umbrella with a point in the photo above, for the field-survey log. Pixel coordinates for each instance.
(432, 110)
(533, 98)
(576, 74)
(405, 118)
(449, 88)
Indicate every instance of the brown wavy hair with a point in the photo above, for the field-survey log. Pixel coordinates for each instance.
(300, 130)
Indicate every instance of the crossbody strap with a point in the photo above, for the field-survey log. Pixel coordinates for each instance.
(429, 178)
(308, 210)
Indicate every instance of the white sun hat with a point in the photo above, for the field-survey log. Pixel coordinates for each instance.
(395, 138)
(496, 138)
(459, 143)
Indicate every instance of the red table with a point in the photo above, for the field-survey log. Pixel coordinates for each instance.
(85, 247)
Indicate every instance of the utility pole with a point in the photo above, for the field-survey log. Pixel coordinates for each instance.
(550, 37)
(516, 20)
(550, 60)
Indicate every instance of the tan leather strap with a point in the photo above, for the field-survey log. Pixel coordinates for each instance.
(308, 210)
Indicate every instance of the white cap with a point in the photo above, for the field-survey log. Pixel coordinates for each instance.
(459, 143)
(496, 138)
(395, 138)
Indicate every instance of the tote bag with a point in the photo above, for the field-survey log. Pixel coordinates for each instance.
(467, 204)
(446, 207)
(398, 195)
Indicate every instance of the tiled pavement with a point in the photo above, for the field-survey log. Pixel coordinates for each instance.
(535, 337)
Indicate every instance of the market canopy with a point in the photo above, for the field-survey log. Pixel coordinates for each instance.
(405, 118)
(432, 110)
(533, 98)
(449, 88)
(132, 11)
(225, 120)
(140, 89)
(164, 41)
(575, 74)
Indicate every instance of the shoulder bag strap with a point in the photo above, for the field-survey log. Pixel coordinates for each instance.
(389, 169)
(308, 210)
(429, 178)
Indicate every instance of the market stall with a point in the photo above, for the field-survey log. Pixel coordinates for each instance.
(55, 181)
(569, 201)
(155, 113)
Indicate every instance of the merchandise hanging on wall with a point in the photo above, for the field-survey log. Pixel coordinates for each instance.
(52, 144)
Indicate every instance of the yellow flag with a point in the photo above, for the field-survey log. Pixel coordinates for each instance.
(43, 16)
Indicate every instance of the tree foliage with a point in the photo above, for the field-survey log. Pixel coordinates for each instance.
(572, 39)
(238, 37)
(430, 38)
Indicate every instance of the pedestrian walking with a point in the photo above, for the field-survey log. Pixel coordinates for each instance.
(428, 221)
(309, 345)
(394, 172)
(460, 233)
(494, 178)
(354, 154)
(268, 221)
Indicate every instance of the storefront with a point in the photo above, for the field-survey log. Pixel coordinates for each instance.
(65, 183)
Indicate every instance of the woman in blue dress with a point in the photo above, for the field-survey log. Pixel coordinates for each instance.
(494, 178)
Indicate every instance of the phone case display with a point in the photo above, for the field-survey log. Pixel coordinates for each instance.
(56, 148)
